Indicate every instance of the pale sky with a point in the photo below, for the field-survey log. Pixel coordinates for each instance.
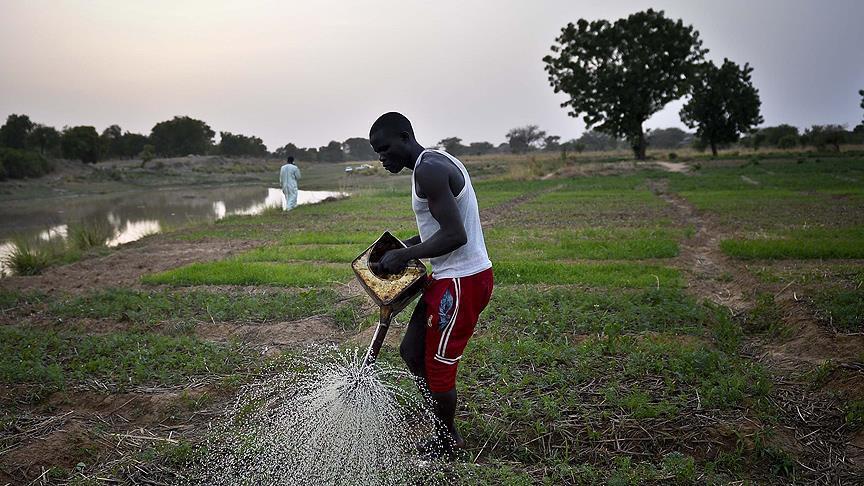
(309, 72)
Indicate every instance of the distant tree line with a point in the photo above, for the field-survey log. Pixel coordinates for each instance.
(26, 147)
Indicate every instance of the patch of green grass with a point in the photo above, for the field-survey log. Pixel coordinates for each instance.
(843, 309)
(555, 312)
(317, 252)
(151, 307)
(510, 243)
(235, 272)
(559, 391)
(10, 298)
(626, 275)
(855, 414)
(799, 248)
(673, 468)
(765, 316)
(54, 358)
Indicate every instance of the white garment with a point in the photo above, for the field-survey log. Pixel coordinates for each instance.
(468, 259)
(289, 174)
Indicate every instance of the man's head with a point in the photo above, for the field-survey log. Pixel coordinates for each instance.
(290, 159)
(392, 137)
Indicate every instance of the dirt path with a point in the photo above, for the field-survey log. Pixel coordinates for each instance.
(489, 217)
(125, 266)
(812, 416)
(678, 167)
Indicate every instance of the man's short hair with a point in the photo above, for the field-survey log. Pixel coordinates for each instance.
(392, 122)
(290, 159)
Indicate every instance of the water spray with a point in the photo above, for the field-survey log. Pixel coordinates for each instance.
(328, 416)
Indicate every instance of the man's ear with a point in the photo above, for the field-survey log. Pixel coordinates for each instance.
(404, 136)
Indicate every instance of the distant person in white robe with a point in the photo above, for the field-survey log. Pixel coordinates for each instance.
(289, 174)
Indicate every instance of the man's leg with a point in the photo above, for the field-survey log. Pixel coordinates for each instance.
(446, 411)
(413, 345)
(291, 198)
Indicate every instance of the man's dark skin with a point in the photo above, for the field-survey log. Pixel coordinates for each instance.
(438, 181)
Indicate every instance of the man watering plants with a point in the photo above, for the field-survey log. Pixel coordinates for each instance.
(448, 220)
(289, 174)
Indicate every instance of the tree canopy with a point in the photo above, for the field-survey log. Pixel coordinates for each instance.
(358, 148)
(667, 138)
(45, 139)
(723, 104)
(231, 144)
(618, 74)
(81, 143)
(332, 152)
(14, 132)
(523, 139)
(861, 93)
(593, 140)
(181, 136)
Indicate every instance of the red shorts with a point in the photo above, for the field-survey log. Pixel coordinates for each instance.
(452, 308)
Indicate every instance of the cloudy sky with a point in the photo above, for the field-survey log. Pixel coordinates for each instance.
(309, 72)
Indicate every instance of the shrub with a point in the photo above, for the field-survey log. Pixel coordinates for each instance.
(673, 156)
(86, 236)
(27, 260)
(18, 164)
(787, 142)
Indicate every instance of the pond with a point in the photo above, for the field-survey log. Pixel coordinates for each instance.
(128, 216)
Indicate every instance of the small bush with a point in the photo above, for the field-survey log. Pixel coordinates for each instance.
(20, 164)
(91, 235)
(673, 156)
(26, 259)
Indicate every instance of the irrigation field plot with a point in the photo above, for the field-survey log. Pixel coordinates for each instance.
(647, 327)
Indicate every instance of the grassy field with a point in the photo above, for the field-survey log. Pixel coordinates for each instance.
(647, 327)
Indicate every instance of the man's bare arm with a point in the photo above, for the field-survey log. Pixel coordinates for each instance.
(435, 184)
(414, 240)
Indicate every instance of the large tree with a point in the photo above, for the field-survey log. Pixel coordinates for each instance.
(358, 148)
(619, 74)
(112, 141)
(771, 136)
(81, 143)
(523, 139)
(236, 144)
(592, 140)
(480, 148)
(332, 152)
(132, 144)
(861, 92)
(667, 138)
(723, 104)
(181, 136)
(45, 139)
(820, 136)
(14, 132)
(453, 146)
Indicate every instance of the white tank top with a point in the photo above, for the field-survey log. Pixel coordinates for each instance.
(469, 258)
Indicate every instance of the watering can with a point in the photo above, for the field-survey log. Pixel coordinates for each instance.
(392, 293)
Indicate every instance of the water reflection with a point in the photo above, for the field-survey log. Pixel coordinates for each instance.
(131, 216)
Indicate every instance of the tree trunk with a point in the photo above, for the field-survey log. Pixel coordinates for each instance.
(713, 148)
(639, 145)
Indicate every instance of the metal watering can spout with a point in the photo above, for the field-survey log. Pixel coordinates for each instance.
(392, 293)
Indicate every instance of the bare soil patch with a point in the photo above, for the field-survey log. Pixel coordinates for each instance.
(679, 167)
(99, 430)
(273, 336)
(124, 267)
